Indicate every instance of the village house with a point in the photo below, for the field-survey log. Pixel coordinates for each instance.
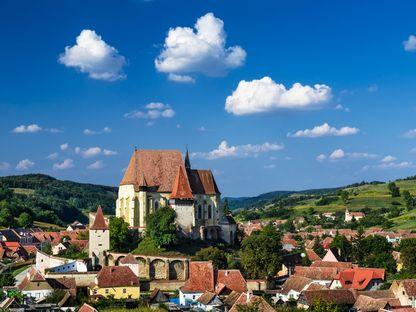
(117, 281)
(405, 291)
(34, 286)
(341, 297)
(248, 300)
(161, 178)
(359, 279)
(76, 225)
(292, 288)
(356, 215)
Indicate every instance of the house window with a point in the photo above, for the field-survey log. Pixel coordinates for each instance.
(199, 212)
(209, 211)
(106, 291)
(124, 291)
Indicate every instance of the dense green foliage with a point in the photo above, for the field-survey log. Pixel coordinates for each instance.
(160, 226)
(214, 254)
(6, 279)
(408, 255)
(260, 253)
(344, 247)
(377, 253)
(121, 238)
(44, 198)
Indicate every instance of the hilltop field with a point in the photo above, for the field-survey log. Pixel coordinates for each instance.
(373, 198)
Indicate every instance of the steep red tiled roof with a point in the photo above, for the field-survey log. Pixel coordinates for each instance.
(206, 298)
(117, 276)
(317, 273)
(157, 167)
(181, 188)
(129, 259)
(202, 182)
(201, 277)
(359, 278)
(99, 221)
(247, 299)
(328, 264)
(409, 286)
(312, 255)
(297, 283)
(87, 308)
(334, 296)
(232, 280)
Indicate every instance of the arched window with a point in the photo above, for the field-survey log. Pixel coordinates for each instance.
(209, 211)
(156, 205)
(199, 212)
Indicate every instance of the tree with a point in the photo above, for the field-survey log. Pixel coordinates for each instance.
(378, 253)
(161, 226)
(260, 253)
(344, 196)
(409, 200)
(214, 254)
(6, 218)
(393, 189)
(344, 247)
(408, 255)
(357, 248)
(121, 239)
(7, 279)
(25, 220)
(318, 248)
(322, 306)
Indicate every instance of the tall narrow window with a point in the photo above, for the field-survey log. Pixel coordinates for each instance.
(156, 205)
(209, 211)
(199, 212)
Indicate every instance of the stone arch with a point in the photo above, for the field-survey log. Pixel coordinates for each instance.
(117, 262)
(143, 268)
(157, 269)
(176, 270)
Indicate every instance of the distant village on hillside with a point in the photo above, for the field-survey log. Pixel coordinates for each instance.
(134, 260)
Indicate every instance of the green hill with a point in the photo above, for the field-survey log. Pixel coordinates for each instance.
(372, 198)
(50, 200)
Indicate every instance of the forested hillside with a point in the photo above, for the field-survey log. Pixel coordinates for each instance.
(43, 198)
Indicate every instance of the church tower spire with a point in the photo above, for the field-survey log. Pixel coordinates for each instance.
(187, 160)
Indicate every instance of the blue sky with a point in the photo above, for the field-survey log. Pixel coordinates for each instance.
(271, 95)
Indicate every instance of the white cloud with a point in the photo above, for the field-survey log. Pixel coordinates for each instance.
(410, 134)
(199, 50)
(94, 56)
(53, 156)
(388, 159)
(394, 165)
(96, 165)
(320, 157)
(25, 164)
(33, 128)
(271, 166)
(410, 44)
(225, 151)
(64, 146)
(4, 165)
(181, 78)
(373, 88)
(92, 132)
(93, 152)
(324, 130)
(66, 164)
(152, 110)
(265, 95)
(337, 154)
(341, 154)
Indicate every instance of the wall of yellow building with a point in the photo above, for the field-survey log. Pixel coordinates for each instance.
(118, 292)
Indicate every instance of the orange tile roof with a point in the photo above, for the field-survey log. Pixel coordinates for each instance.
(231, 280)
(317, 273)
(87, 308)
(201, 277)
(247, 299)
(359, 278)
(99, 221)
(117, 276)
(181, 188)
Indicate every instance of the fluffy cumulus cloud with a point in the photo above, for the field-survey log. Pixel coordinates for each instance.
(265, 95)
(96, 165)
(388, 159)
(324, 130)
(53, 156)
(410, 44)
(396, 165)
(152, 110)
(93, 56)
(93, 152)
(92, 132)
(24, 164)
(339, 154)
(4, 165)
(226, 151)
(201, 50)
(33, 128)
(64, 146)
(66, 164)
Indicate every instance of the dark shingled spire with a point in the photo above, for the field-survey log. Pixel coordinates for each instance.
(187, 160)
